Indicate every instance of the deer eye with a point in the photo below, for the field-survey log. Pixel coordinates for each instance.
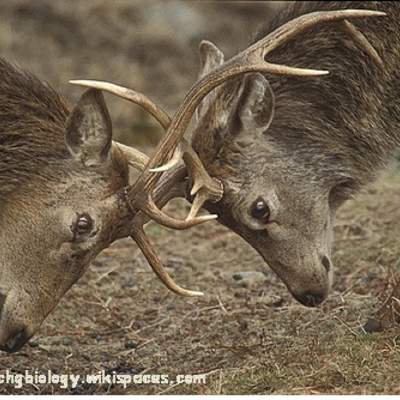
(260, 210)
(83, 225)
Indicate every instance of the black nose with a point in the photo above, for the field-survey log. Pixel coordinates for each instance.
(310, 299)
(15, 341)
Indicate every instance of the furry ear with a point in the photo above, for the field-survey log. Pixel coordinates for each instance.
(246, 107)
(256, 106)
(211, 57)
(88, 133)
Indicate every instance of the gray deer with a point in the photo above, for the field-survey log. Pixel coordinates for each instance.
(289, 150)
(273, 158)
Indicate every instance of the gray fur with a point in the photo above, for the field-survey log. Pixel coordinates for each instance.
(328, 137)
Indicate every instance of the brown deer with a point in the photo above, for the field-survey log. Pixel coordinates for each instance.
(289, 150)
(65, 196)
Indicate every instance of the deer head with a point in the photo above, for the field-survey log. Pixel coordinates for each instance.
(267, 197)
(70, 209)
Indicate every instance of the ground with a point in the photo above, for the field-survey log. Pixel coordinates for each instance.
(247, 334)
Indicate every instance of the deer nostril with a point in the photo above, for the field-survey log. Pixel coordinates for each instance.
(16, 341)
(326, 263)
(2, 300)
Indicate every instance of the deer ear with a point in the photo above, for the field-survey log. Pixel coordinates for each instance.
(88, 133)
(256, 105)
(211, 57)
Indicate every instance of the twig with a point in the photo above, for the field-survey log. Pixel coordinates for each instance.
(221, 305)
(351, 330)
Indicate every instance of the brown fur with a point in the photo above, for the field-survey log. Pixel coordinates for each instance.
(32, 123)
(57, 169)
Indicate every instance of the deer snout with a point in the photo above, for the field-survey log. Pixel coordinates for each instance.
(311, 299)
(15, 340)
(14, 332)
(309, 282)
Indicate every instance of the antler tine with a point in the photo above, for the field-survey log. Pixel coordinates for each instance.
(250, 60)
(204, 187)
(131, 95)
(260, 49)
(363, 42)
(174, 161)
(140, 99)
(145, 246)
(136, 158)
(149, 207)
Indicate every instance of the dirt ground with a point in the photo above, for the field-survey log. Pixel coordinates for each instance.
(247, 334)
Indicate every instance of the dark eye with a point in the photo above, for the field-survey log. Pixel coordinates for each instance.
(83, 225)
(260, 210)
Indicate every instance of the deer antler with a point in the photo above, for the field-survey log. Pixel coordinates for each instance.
(252, 59)
(363, 42)
(131, 95)
(139, 160)
(144, 244)
(136, 158)
(208, 188)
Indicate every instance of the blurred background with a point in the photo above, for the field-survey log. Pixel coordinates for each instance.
(151, 46)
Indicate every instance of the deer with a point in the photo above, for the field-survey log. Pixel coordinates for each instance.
(64, 197)
(290, 145)
(65, 192)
